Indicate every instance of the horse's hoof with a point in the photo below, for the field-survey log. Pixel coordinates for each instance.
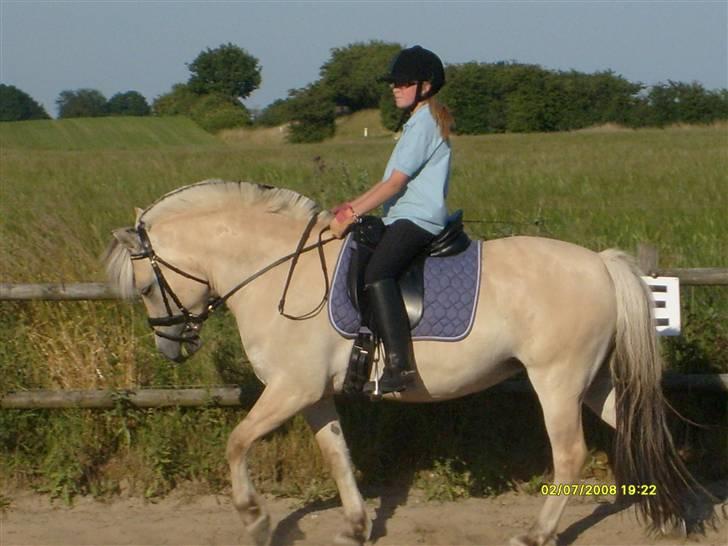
(346, 539)
(259, 530)
(527, 540)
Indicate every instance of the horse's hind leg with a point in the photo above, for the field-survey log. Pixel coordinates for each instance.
(277, 404)
(324, 420)
(600, 398)
(562, 416)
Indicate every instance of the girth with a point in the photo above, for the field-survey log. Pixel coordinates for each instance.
(367, 234)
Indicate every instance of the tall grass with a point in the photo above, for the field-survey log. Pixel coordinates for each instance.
(64, 187)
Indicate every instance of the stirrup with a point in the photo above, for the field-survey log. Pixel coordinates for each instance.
(376, 388)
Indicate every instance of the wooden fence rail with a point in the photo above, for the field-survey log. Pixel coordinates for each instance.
(57, 291)
(233, 396)
(703, 276)
(647, 257)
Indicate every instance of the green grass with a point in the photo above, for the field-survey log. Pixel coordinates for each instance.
(65, 185)
(121, 133)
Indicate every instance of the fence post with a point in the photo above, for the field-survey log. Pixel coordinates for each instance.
(647, 258)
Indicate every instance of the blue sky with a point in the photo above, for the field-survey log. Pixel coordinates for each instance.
(113, 46)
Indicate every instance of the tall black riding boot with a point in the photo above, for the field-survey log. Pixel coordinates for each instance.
(392, 324)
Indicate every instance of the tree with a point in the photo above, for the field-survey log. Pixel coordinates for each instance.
(474, 95)
(16, 105)
(313, 114)
(178, 102)
(352, 72)
(678, 102)
(227, 70)
(82, 103)
(131, 103)
(276, 113)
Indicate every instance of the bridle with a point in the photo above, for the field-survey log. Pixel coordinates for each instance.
(193, 322)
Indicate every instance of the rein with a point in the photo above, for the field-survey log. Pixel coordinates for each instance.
(193, 322)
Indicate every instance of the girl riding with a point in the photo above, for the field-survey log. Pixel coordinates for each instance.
(413, 192)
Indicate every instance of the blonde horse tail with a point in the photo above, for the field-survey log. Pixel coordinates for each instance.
(648, 469)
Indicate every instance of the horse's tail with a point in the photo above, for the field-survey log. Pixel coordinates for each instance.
(647, 466)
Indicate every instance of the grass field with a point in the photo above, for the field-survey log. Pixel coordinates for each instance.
(124, 133)
(65, 184)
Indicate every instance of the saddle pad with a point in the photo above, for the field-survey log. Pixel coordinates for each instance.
(451, 291)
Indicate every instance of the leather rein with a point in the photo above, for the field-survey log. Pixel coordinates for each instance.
(193, 322)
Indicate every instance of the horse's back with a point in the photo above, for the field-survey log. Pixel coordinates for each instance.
(553, 293)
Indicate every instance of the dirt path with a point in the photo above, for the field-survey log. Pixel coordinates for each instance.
(212, 521)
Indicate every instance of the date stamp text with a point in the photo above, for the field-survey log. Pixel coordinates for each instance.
(594, 490)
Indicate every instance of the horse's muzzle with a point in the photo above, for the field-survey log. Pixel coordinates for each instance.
(177, 348)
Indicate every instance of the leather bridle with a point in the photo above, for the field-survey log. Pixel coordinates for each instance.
(193, 322)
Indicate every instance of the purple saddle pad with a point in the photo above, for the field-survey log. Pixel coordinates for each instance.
(451, 296)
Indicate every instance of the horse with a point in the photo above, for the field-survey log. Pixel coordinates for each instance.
(579, 322)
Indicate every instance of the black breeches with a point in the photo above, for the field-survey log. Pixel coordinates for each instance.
(402, 242)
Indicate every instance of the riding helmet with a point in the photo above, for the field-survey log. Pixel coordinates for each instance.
(417, 64)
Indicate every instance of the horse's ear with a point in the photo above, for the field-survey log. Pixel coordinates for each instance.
(128, 238)
(138, 213)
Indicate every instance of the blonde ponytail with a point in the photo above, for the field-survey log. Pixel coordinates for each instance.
(443, 117)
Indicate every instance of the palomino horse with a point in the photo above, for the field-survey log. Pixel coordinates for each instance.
(579, 322)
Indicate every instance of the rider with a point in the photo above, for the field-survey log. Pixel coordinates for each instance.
(413, 193)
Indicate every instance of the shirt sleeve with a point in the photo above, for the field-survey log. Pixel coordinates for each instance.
(414, 148)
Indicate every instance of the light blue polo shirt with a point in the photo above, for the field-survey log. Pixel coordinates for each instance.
(423, 155)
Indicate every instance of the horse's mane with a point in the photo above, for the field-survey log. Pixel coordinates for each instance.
(119, 271)
(223, 195)
(204, 196)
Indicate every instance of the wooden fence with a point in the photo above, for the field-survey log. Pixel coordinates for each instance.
(647, 257)
(232, 396)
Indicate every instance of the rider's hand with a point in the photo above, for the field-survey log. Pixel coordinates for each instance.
(344, 218)
(338, 229)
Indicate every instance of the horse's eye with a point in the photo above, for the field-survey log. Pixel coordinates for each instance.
(147, 290)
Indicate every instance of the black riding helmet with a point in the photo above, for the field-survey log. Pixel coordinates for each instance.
(417, 64)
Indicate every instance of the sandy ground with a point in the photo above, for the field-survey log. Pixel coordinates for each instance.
(211, 521)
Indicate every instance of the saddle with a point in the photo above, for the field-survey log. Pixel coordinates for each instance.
(368, 232)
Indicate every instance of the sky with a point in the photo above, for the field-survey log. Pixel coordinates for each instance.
(116, 46)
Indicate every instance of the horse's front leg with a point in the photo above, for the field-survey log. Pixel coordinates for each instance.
(324, 421)
(277, 404)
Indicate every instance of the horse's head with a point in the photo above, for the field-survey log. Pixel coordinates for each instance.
(176, 299)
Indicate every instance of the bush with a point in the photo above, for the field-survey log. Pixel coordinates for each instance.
(313, 116)
(131, 103)
(16, 105)
(178, 102)
(82, 103)
(677, 102)
(213, 112)
(275, 114)
(352, 73)
(216, 112)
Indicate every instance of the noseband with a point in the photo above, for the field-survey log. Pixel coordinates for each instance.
(193, 322)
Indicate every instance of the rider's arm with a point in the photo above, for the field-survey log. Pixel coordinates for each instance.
(380, 193)
(368, 201)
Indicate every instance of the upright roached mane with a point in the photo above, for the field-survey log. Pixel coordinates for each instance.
(208, 195)
(223, 195)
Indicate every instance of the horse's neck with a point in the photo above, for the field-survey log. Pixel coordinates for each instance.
(238, 245)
